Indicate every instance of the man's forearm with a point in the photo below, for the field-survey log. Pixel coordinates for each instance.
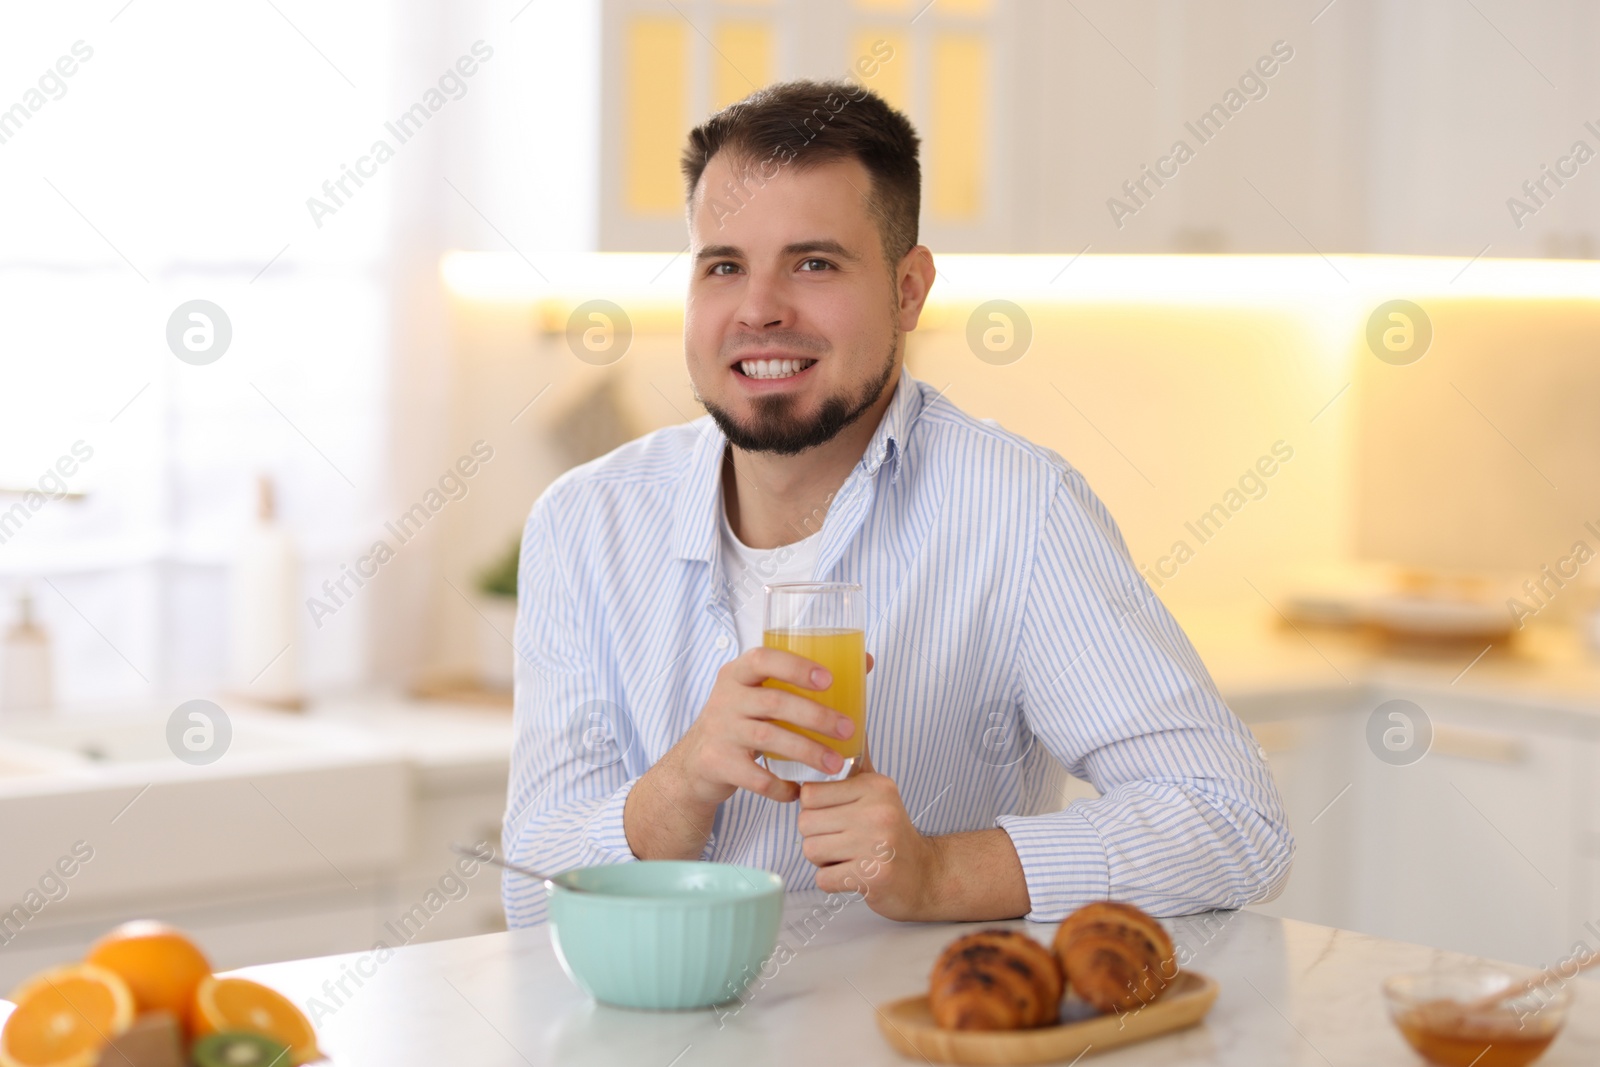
(660, 823)
(976, 877)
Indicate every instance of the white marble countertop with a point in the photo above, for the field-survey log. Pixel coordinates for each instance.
(1253, 650)
(1291, 993)
(448, 746)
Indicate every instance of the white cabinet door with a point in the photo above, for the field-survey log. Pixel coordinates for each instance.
(1306, 738)
(432, 900)
(1477, 846)
(235, 933)
(1471, 847)
(1315, 778)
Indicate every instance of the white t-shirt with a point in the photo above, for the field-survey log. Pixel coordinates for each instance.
(748, 569)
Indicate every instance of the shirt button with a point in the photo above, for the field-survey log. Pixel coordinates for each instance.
(1261, 752)
(722, 641)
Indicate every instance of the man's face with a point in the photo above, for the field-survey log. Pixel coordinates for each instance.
(792, 326)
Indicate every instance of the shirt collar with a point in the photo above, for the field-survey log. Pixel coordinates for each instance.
(694, 528)
(890, 439)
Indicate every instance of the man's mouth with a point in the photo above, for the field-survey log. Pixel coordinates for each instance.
(772, 368)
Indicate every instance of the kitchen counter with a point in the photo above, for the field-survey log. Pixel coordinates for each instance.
(305, 835)
(1291, 993)
(1251, 651)
(447, 744)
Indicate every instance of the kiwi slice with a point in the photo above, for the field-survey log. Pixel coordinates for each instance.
(238, 1049)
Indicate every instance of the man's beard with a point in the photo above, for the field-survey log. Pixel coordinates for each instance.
(776, 429)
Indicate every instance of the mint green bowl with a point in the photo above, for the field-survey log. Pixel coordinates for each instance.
(664, 934)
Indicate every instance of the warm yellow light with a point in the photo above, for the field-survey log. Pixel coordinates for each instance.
(498, 277)
(652, 278)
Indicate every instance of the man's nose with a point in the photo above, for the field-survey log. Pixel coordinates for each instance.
(765, 303)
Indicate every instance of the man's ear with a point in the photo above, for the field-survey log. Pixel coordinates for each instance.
(913, 280)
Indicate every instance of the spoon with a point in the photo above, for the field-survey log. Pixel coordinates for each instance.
(525, 871)
(1528, 985)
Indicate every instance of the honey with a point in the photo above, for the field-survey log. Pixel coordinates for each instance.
(1443, 1034)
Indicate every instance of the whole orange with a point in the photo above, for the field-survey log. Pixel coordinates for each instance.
(161, 965)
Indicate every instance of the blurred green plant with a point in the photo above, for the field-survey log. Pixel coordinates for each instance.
(500, 577)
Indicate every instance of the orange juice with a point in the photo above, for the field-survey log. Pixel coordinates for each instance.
(844, 654)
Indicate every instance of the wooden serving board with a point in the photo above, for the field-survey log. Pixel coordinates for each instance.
(909, 1027)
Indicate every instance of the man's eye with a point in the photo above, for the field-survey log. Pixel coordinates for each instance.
(716, 268)
(824, 264)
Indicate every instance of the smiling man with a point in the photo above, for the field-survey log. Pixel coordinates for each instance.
(1014, 639)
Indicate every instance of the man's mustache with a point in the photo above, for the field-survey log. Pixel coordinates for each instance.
(784, 340)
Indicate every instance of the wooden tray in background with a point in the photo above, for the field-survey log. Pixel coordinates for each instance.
(908, 1025)
(458, 689)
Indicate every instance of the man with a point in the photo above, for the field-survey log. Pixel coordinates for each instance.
(1013, 636)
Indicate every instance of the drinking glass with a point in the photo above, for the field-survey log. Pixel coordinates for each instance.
(824, 622)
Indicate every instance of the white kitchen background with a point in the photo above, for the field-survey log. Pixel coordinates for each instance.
(176, 163)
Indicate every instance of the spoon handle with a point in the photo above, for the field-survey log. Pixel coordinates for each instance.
(498, 862)
(1528, 985)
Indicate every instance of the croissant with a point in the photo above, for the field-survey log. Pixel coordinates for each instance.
(995, 980)
(1115, 956)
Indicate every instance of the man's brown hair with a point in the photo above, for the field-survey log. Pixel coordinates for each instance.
(804, 123)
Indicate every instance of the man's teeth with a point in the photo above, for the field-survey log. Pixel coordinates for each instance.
(774, 368)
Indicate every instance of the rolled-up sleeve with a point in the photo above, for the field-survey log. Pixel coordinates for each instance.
(569, 780)
(1189, 817)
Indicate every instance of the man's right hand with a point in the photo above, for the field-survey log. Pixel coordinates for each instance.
(740, 721)
(717, 754)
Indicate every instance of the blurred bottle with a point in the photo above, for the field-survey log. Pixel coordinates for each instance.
(25, 681)
(264, 660)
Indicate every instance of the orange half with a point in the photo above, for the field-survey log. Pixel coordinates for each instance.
(239, 1004)
(65, 1016)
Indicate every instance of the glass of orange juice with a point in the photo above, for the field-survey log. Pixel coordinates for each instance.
(824, 622)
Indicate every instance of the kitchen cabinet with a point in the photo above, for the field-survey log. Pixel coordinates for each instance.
(1481, 845)
(1045, 125)
(461, 812)
(1298, 731)
(238, 926)
(314, 835)
(951, 67)
(232, 932)
(1470, 844)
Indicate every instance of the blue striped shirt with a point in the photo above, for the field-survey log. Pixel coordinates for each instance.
(1015, 643)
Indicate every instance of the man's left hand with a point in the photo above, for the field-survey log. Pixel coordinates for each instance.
(859, 836)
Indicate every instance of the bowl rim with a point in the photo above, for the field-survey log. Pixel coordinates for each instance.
(1399, 999)
(772, 885)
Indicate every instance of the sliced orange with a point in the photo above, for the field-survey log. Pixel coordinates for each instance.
(160, 964)
(239, 1004)
(65, 1016)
